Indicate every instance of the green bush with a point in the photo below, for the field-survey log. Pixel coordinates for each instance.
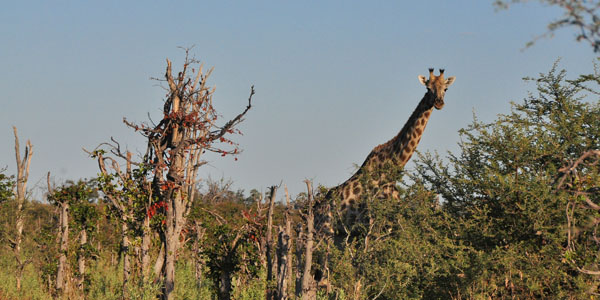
(32, 286)
(500, 191)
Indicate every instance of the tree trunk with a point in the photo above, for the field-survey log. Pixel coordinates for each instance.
(269, 242)
(175, 221)
(260, 211)
(81, 259)
(288, 230)
(197, 248)
(177, 206)
(283, 265)
(18, 240)
(19, 273)
(171, 249)
(299, 260)
(145, 249)
(326, 267)
(61, 274)
(357, 290)
(284, 253)
(125, 251)
(225, 286)
(22, 177)
(308, 287)
(160, 261)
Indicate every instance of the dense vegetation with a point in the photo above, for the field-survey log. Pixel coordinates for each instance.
(513, 214)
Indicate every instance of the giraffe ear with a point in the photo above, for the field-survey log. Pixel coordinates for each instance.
(423, 80)
(450, 81)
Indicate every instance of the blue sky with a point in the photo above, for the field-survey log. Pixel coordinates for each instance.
(333, 79)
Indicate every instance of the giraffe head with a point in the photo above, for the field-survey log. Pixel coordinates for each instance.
(436, 87)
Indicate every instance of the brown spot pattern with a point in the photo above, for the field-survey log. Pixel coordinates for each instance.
(399, 150)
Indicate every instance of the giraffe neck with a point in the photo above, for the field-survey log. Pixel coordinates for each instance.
(400, 148)
(405, 143)
(397, 151)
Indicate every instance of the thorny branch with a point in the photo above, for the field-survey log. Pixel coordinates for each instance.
(569, 180)
(188, 109)
(570, 171)
(581, 14)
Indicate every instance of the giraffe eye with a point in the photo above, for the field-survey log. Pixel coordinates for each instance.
(445, 89)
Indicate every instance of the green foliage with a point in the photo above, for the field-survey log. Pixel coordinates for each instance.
(401, 249)
(133, 192)
(37, 247)
(32, 282)
(230, 247)
(500, 191)
(106, 282)
(74, 192)
(7, 184)
(254, 289)
(580, 183)
(81, 197)
(187, 287)
(499, 228)
(230, 250)
(41, 237)
(513, 214)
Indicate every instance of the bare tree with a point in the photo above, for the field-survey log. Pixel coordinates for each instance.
(197, 248)
(131, 198)
(83, 240)
(62, 282)
(288, 230)
(299, 261)
(308, 286)
(269, 240)
(261, 211)
(188, 129)
(22, 176)
(284, 252)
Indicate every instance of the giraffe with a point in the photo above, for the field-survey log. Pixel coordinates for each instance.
(396, 151)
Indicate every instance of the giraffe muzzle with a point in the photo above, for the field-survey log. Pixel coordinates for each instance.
(438, 103)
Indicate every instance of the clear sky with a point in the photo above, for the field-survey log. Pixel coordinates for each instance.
(333, 79)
